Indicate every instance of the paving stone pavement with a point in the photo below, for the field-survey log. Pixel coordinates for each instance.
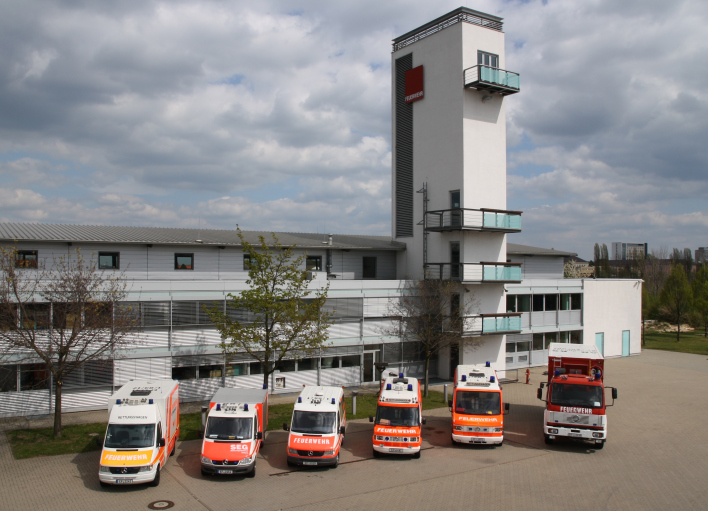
(655, 458)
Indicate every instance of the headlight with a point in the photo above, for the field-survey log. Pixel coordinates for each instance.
(146, 468)
(292, 451)
(328, 453)
(497, 430)
(246, 461)
(458, 428)
(597, 435)
(379, 438)
(105, 468)
(206, 460)
(553, 431)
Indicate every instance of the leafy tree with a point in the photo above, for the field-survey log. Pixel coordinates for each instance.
(700, 296)
(277, 316)
(430, 312)
(62, 317)
(676, 297)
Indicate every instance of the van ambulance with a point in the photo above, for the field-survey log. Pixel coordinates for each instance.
(143, 426)
(398, 420)
(317, 428)
(234, 431)
(476, 406)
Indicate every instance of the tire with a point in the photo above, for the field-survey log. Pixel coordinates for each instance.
(291, 464)
(174, 448)
(547, 439)
(252, 473)
(336, 461)
(416, 456)
(455, 443)
(600, 445)
(377, 454)
(205, 473)
(156, 481)
(103, 485)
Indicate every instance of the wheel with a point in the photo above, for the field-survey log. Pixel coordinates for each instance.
(377, 454)
(547, 439)
(174, 448)
(416, 455)
(156, 481)
(455, 443)
(103, 485)
(600, 445)
(336, 461)
(205, 473)
(252, 473)
(291, 464)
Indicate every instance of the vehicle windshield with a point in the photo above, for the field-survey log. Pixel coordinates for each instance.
(130, 436)
(314, 422)
(397, 416)
(472, 402)
(582, 396)
(229, 428)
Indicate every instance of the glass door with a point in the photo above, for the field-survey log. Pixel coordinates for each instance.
(370, 358)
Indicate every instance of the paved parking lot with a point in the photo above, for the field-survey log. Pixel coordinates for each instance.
(656, 457)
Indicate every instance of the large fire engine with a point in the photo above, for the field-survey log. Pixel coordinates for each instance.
(398, 417)
(575, 396)
(476, 406)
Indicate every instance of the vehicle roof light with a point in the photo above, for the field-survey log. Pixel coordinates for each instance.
(464, 377)
(265, 385)
(117, 401)
(388, 386)
(218, 407)
(150, 401)
(245, 407)
(488, 364)
(557, 373)
(333, 402)
(492, 379)
(410, 386)
(299, 399)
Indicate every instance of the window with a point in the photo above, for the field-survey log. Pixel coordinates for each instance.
(511, 347)
(330, 363)
(538, 303)
(256, 368)
(8, 378)
(246, 262)
(551, 302)
(576, 337)
(551, 337)
(307, 364)
(351, 361)
(287, 366)
(510, 303)
(455, 205)
(523, 346)
(369, 267)
(523, 303)
(576, 301)
(184, 373)
(537, 342)
(184, 261)
(454, 259)
(236, 369)
(26, 259)
(487, 59)
(565, 302)
(210, 371)
(313, 263)
(109, 260)
(34, 377)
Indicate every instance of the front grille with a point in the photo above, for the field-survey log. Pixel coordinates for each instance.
(223, 463)
(312, 454)
(124, 470)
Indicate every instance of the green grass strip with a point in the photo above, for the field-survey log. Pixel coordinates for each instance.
(691, 342)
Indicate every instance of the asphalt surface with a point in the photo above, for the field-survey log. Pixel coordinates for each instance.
(655, 458)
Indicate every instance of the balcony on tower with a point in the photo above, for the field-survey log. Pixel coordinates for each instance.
(461, 219)
(475, 273)
(491, 79)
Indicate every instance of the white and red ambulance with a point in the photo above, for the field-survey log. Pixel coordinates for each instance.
(398, 420)
(143, 426)
(317, 427)
(233, 431)
(476, 405)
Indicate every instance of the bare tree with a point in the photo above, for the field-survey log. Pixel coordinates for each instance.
(433, 313)
(62, 317)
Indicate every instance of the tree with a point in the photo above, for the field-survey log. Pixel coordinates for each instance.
(62, 317)
(676, 297)
(430, 312)
(277, 316)
(571, 270)
(700, 296)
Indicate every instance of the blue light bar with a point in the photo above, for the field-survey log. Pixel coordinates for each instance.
(488, 364)
(464, 377)
(265, 386)
(557, 373)
(410, 386)
(218, 407)
(245, 407)
(117, 401)
(299, 399)
(492, 379)
(388, 386)
(400, 375)
(150, 401)
(333, 401)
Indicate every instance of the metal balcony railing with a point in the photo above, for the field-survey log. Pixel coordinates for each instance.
(474, 272)
(492, 79)
(473, 219)
(491, 324)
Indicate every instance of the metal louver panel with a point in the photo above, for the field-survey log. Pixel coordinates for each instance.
(345, 307)
(31, 402)
(94, 373)
(84, 399)
(404, 151)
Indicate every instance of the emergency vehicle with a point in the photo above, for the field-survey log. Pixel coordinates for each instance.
(476, 406)
(143, 426)
(317, 428)
(399, 417)
(234, 431)
(575, 396)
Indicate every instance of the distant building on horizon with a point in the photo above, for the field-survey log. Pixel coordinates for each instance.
(701, 255)
(627, 251)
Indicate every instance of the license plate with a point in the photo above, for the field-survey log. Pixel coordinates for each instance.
(124, 481)
(395, 450)
(226, 471)
(309, 463)
(575, 434)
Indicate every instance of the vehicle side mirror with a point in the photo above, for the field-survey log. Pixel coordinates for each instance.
(342, 430)
(371, 419)
(161, 442)
(541, 385)
(286, 427)
(200, 433)
(539, 393)
(506, 407)
(259, 435)
(449, 403)
(425, 421)
(99, 442)
(614, 393)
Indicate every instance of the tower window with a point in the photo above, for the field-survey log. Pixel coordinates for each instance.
(487, 59)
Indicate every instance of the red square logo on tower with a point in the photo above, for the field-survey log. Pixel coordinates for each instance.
(414, 84)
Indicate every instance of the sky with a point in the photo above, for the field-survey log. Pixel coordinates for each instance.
(276, 115)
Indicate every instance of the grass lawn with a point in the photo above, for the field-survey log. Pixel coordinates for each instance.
(691, 342)
(30, 443)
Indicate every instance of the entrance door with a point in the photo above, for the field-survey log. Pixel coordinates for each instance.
(370, 358)
(625, 343)
(600, 342)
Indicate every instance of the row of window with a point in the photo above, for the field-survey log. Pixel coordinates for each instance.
(18, 377)
(545, 302)
(541, 341)
(185, 261)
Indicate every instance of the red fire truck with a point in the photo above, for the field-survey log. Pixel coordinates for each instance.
(575, 396)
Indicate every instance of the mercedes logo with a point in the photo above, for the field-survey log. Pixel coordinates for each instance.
(310, 453)
(123, 470)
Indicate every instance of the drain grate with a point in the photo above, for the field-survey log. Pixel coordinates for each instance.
(161, 504)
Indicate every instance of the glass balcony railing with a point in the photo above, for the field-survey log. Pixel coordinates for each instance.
(492, 79)
(474, 272)
(501, 324)
(503, 273)
(502, 220)
(473, 219)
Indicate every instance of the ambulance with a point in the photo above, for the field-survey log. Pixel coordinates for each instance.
(234, 431)
(476, 406)
(317, 427)
(143, 426)
(398, 421)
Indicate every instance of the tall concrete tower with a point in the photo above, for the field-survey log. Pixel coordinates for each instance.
(449, 86)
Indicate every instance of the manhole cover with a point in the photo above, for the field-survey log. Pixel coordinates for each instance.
(161, 504)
